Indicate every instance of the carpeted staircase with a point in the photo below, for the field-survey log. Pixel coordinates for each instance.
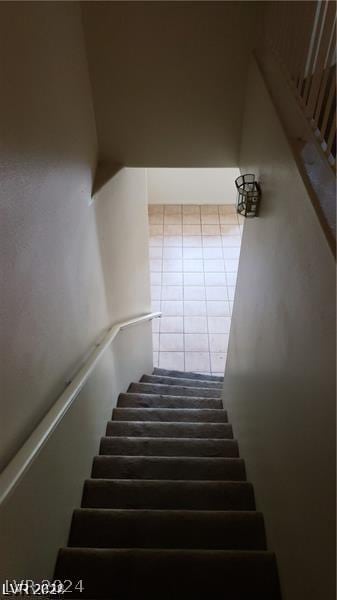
(168, 513)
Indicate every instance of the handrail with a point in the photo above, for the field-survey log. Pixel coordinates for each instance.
(15, 469)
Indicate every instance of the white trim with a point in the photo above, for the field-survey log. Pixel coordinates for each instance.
(15, 469)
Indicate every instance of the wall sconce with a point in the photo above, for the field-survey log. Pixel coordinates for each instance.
(249, 194)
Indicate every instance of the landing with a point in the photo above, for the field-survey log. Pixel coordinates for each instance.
(194, 252)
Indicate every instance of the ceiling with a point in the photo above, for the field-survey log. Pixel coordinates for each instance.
(168, 80)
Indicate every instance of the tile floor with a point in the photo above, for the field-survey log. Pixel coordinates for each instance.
(194, 255)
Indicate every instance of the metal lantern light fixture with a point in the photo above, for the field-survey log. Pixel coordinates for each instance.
(249, 194)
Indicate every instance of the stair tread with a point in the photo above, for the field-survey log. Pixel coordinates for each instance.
(147, 528)
(169, 380)
(168, 494)
(178, 574)
(133, 400)
(174, 390)
(187, 375)
(168, 467)
(162, 446)
(170, 415)
(169, 429)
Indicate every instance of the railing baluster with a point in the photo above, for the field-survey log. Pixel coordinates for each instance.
(321, 59)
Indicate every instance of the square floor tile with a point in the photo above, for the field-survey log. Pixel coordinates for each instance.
(192, 292)
(155, 209)
(197, 361)
(210, 219)
(171, 324)
(192, 253)
(216, 292)
(156, 265)
(214, 266)
(155, 305)
(225, 209)
(156, 292)
(172, 278)
(212, 241)
(171, 292)
(156, 241)
(209, 209)
(218, 308)
(172, 308)
(156, 278)
(191, 230)
(218, 362)
(193, 266)
(172, 360)
(156, 230)
(217, 279)
(173, 219)
(156, 252)
(172, 209)
(231, 253)
(170, 241)
(231, 265)
(194, 308)
(211, 230)
(219, 324)
(172, 253)
(191, 219)
(172, 265)
(230, 230)
(155, 341)
(192, 241)
(195, 324)
(218, 342)
(196, 342)
(194, 279)
(231, 278)
(212, 253)
(156, 219)
(171, 342)
(172, 230)
(229, 219)
(231, 241)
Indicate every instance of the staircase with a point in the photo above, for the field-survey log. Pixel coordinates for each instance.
(168, 513)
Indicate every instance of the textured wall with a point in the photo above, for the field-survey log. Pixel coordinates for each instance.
(280, 373)
(53, 304)
(168, 79)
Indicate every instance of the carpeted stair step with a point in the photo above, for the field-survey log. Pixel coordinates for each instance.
(127, 574)
(168, 494)
(173, 390)
(164, 467)
(157, 401)
(133, 446)
(181, 381)
(187, 375)
(172, 430)
(183, 415)
(215, 530)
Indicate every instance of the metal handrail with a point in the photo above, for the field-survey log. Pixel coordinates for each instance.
(19, 464)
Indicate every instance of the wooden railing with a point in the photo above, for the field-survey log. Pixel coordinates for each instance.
(303, 36)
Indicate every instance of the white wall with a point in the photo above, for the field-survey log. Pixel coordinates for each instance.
(35, 519)
(192, 186)
(67, 269)
(280, 373)
(122, 226)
